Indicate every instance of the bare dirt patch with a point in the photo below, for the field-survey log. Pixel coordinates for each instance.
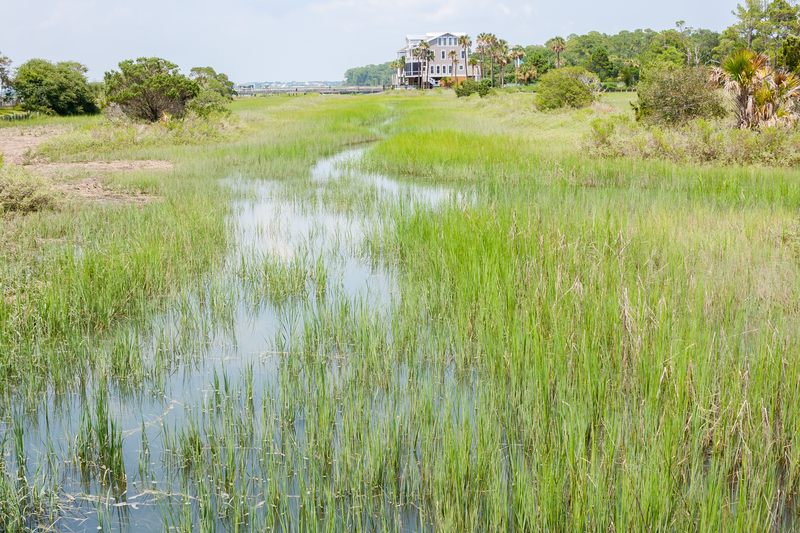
(93, 190)
(19, 142)
(108, 166)
(16, 141)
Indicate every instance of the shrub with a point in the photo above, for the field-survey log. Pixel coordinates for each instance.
(208, 103)
(696, 141)
(22, 191)
(669, 94)
(149, 88)
(469, 87)
(564, 87)
(59, 88)
(485, 88)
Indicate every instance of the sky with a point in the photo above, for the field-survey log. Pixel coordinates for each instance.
(303, 40)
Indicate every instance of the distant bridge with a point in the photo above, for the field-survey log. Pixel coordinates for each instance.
(295, 91)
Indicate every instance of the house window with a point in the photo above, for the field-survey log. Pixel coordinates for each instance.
(461, 67)
(432, 69)
(451, 69)
(442, 54)
(462, 54)
(439, 41)
(437, 70)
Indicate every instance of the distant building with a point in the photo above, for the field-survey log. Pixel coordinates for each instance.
(421, 72)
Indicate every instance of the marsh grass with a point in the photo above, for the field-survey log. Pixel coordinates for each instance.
(98, 445)
(111, 135)
(568, 343)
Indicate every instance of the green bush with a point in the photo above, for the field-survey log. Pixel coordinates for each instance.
(469, 87)
(485, 88)
(466, 88)
(22, 191)
(208, 103)
(59, 88)
(149, 88)
(564, 87)
(673, 95)
(696, 141)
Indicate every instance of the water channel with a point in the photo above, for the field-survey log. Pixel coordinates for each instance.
(231, 332)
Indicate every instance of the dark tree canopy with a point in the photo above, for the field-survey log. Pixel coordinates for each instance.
(789, 55)
(600, 63)
(150, 87)
(59, 88)
(535, 57)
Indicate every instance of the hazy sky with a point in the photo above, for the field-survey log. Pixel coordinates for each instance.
(260, 40)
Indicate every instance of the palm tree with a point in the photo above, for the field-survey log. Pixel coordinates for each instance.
(762, 96)
(425, 54)
(473, 62)
(465, 42)
(501, 51)
(453, 55)
(491, 44)
(557, 45)
(417, 53)
(482, 44)
(517, 53)
(422, 55)
(399, 65)
(526, 72)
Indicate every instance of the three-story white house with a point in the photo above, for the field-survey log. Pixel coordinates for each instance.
(421, 72)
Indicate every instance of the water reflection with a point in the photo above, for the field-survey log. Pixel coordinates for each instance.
(231, 332)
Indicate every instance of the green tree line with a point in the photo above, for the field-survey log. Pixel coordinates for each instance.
(765, 27)
(145, 89)
(369, 76)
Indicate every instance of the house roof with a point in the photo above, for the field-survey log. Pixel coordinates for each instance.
(429, 37)
(432, 36)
